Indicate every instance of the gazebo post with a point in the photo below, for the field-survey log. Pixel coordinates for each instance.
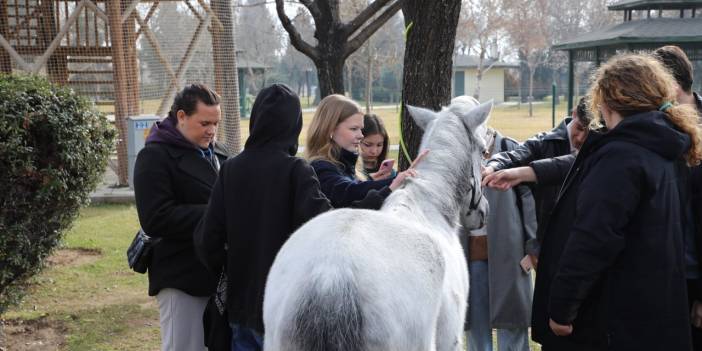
(571, 80)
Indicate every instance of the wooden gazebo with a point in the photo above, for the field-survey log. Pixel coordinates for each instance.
(62, 37)
(646, 25)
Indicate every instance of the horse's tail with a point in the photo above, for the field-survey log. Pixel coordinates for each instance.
(329, 317)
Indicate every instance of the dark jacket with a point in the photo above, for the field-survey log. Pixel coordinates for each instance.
(620, 278)
(541, 146)
(340, 185)
(172, 184)
(696, 203)
(261, 197)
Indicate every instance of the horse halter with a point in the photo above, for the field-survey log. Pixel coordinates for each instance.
(474, 203)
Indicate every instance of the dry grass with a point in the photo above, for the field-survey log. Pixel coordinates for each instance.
(510, 120)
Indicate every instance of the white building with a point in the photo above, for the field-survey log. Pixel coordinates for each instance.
(465, 73)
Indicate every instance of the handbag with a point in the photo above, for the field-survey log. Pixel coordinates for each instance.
(140, 251)
(215, 321)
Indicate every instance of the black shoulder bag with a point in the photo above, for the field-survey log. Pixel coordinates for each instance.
(140, 251)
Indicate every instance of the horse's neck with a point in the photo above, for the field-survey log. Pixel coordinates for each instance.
(427, 198)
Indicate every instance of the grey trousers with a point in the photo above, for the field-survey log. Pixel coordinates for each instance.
(181, 320)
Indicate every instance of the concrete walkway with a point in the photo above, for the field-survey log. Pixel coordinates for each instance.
(108, 193)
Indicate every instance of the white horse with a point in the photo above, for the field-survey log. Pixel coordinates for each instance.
(394, 279)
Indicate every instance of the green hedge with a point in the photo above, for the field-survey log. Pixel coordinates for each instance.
(54, 147)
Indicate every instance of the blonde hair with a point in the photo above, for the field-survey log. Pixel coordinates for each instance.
(635, 83)
(331, 111)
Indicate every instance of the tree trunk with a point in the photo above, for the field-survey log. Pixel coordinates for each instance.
(369, 80)
(479, 75)
(5, 60)
(330, 74)
(224, 50)
(428, 62)
(532, 70)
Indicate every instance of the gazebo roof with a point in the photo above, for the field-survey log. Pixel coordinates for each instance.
(653, 31)
(466, 61)
(654, 4)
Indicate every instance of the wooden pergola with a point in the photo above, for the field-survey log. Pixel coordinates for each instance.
(645, 27)
(50, 35)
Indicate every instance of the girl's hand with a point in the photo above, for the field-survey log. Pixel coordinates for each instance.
(410, 172)
(381, 174)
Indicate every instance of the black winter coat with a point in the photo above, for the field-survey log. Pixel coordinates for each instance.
(261, 197)
(172, 185)
(541, 146)
(620, 279)
(340, 185)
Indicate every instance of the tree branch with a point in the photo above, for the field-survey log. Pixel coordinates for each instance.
(313, 7)
(295, 37)
(365, 15)
(371, 28)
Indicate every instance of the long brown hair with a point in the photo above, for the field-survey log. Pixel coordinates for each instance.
(634, 83)
(372, 124)
(331, 111)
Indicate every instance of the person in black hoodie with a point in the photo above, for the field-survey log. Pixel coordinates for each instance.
(261, 197)
(620, 279)
(173, 178)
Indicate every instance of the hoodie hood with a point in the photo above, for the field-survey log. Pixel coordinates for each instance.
(166, 132)
(653, 131)
(276, 119)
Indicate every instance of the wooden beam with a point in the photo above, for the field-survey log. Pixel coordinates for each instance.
(182, 67)
(120, 86)
(128, 11)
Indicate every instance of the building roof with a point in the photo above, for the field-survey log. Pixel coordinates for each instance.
(242, 62)
(653, 30)
(654, 4)
(466, 61)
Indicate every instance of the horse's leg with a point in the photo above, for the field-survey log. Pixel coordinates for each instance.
(454, 297)
(449, 329)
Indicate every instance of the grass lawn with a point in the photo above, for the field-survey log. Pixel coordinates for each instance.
(88, 296)
(88, 299)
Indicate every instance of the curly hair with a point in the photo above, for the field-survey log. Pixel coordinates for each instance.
(636, 83)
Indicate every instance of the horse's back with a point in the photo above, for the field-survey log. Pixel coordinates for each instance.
(381, 274)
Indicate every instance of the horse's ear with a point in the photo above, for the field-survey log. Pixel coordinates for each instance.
(478, 116)
(421, 116)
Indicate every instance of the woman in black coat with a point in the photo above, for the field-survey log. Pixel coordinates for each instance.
(173, 178)
(620, 279)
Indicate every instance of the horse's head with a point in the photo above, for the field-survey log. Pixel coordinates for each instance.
(455, 137)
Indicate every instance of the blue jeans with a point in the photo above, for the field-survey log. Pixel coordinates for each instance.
(245, 339)
(480, 333)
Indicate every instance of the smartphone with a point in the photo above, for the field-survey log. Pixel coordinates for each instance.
(387, 164)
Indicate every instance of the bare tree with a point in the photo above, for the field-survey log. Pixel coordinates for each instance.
(428, 61)
(336, 39)
(480, 27)
(527, 25)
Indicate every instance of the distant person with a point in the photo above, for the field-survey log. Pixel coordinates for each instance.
(173, 179)
(680, 66)
(333, 139)
(374, 149)
(500, 280)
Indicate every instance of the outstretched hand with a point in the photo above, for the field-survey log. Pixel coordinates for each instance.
(410, 172)
(508, 178)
